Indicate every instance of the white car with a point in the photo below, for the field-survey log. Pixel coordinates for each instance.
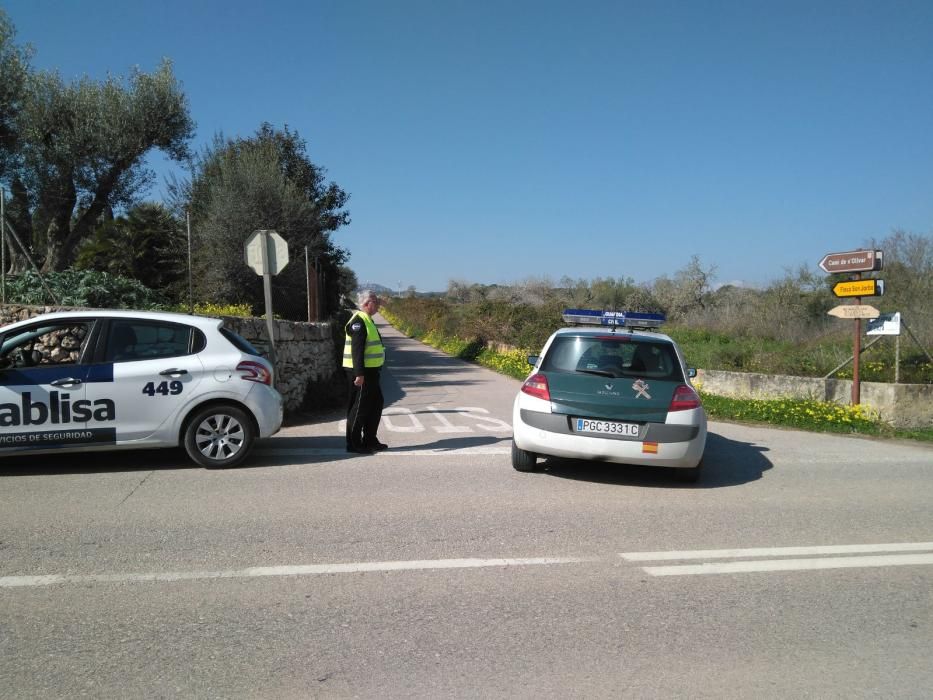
(611, 392)
(93, 380)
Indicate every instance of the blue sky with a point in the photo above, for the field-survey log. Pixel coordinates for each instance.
(492, 141)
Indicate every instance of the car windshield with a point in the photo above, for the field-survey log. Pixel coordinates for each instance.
(613, 357)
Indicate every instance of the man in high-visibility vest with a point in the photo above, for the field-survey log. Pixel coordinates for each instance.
(363, 357)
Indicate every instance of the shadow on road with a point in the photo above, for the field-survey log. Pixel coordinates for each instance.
(331, 443)
(725, 463)
(96, 462)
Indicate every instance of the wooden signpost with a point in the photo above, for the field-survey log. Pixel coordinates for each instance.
(855, 261)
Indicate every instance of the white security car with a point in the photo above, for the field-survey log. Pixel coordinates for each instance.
(611, 392)
(93, 380)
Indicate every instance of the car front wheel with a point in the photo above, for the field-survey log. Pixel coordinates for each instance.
(219, 436)
(523, 461)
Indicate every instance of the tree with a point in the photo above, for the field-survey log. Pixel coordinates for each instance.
(347, 283)
(14, 65)
(75, 150)
(265, 181)
(148, 245)
(687, 291)
(908, 279)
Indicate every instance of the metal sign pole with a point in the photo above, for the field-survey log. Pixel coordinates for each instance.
(267, 292)
(897, 358)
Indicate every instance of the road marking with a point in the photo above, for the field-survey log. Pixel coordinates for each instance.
(790, 565)
(759, 565)
(306, 570)
(778, 551)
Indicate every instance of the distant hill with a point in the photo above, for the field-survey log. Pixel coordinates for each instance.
(384, 291)
(380, 289)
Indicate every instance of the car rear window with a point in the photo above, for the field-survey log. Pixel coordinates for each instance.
(239, 342)
(615, 357)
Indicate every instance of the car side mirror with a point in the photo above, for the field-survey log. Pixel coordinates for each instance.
(532, 360)
(691, 372)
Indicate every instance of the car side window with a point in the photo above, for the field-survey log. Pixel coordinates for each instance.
(130, 340)
(50, 344)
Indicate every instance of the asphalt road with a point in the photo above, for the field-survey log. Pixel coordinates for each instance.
(801, 565)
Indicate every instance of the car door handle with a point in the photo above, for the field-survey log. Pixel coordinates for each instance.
(172, 372)
(67, 381)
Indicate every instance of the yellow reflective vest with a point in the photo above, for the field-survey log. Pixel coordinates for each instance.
(374, 355)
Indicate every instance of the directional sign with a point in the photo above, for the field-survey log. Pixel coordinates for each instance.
(276, 252)
(885, 324)
(859, 288)
(853, 261)
(854, 311)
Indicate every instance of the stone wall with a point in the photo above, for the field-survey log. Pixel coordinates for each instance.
(307, 372)
(901, 405)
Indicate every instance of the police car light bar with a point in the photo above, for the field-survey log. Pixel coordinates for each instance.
(626, 319)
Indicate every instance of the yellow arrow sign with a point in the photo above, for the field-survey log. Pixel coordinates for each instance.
(859, 288)
(854, 311)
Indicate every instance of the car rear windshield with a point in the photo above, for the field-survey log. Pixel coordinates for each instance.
(613, 357)
(239, 342)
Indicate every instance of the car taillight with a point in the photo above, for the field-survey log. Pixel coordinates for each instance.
(684, 398)
(536, 385)
(254, 372)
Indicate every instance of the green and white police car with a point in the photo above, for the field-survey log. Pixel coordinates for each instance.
(610, 388)
(95, 380)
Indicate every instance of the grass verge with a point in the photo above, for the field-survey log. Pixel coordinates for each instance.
(817, 416)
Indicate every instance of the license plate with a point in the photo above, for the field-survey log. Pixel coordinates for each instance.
(607, 427)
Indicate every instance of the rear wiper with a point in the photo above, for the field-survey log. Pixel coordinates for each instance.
(600, 372)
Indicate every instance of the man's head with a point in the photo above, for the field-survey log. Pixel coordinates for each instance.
(367, 301)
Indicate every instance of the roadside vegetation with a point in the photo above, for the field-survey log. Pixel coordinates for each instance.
(782, 329)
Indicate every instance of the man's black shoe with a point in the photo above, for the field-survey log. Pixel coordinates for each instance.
(360, 449)
(376, 446)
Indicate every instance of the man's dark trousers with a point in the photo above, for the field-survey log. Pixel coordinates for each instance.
(364, 408)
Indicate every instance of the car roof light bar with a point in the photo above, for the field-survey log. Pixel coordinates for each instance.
(627, 319)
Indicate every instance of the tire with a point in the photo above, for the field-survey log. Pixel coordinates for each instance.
(524, 461)
(219, 436)
(689, 476)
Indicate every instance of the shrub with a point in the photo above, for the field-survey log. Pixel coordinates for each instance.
(83, 288)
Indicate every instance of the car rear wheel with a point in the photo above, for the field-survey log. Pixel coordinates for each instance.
(523, 461)
(219, 436)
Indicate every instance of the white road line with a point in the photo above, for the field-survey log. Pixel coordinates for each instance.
(761, 565)
(401, 452)
(305, 570)
(736, 567)
(778, 551)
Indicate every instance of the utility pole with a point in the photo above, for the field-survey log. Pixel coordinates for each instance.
(3, 244)
(190, 297)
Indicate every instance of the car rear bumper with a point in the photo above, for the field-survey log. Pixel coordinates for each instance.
(268, 408)
(659, 445)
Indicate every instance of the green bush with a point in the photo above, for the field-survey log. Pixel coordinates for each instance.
(82, 288)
